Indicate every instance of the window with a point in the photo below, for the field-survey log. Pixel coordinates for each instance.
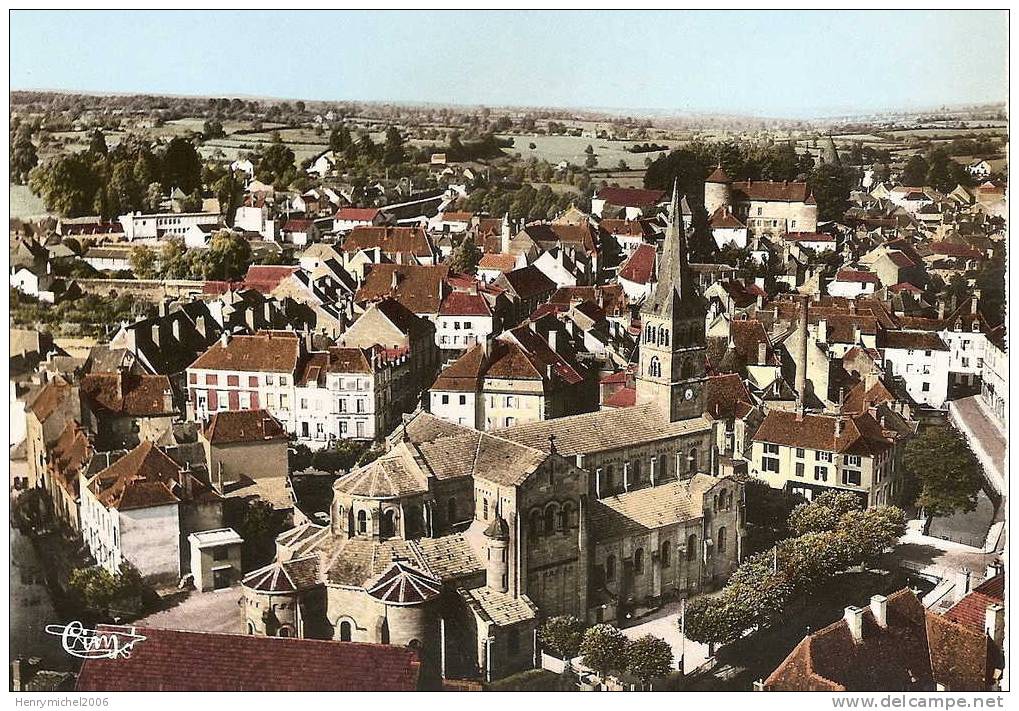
(655, 368)
(799, 468)
(820, 473)
(445, 399)
(233, 380)
(211, 380)
(852, 460)
(467, 324)
(270, 379)
(823, 456)
(638, 561)
(485, 509)
(220, 553)
(721, 540)
(926, 387)
(769, 464)
(666, 554)
(800, 454)
(760, 211)
(463, 399)
(510, 401)
(549, 521)
(193, 378)
(610, 568)
(565, 517)
(535, 527)
(252, 381)
(851, 477)
(362, 522)
(345, 631)
(285, 631)
(692, 461)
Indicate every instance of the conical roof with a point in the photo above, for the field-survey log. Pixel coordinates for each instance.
(674, 291)
(498, 529)
(401, 584)
(719, 176)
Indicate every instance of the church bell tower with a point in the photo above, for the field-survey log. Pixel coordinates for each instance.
(672, 344)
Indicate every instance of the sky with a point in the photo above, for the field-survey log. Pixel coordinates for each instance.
(788, 64)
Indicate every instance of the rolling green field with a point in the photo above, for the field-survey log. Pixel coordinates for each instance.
(25, 205)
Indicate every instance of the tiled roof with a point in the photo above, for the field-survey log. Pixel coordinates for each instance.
(639, 267)
(462, 303)
(356, 214)
(950, 249)
(284, 577)
(602, 431)
(718, 176)
(49, 398)
(402, 584)
(624, 397)
(861, 434)
(69, 455)
(231, 426)
(264, 278)
(419, 288)
(146, 477)
(723, 219)
(170, 660)
(465, 374)
(298, 225)
(808, 237)
(626, 228)
(726, 396)
(264, 352)
(315, 367)
(631, 197)
(548, 234)
(854, 275)
(771, 191)
(498, 262)
(128, 394)
(916, 650)
(911, 340)
(391, 475)
(971, 610)
(499, 608)
(643, 510)
(860, 398)
(390, 240)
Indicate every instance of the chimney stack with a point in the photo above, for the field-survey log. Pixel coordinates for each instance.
(762, 353)
(801, 367)
(879, 608)
(224, 338)
(854, 620)
(994, 623)
(962, 582)
(941, 310)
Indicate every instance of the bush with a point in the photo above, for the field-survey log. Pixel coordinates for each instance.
(562, 636)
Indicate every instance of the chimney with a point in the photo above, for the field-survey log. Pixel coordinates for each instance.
(504, 235)
(879, 608)
(839, 427)
(962, 581)
(994, 623)
(854, 621)
(994, 568)
(973, 303)
(856, 334)
(941, 310)
(762, 353)
(553, 339)
(121, 374)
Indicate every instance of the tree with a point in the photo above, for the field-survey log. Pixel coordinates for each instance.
(392, 151)
(339, 139)
(830, 185)
(649, 658)
(143, 263)
(67, 184)
(767, 510)
(465, 258)
(23, 155)
(915, 172)
(824, 512)
(97, 144)
(213, 128)
(562, 636)
(182, 167)
(589, 150)
(942, 475)
(602, 648)
(590, 162)
(228, 257)
(259, 525)
(106, 594)
(276, 165)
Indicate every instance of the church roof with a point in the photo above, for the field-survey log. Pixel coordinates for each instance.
(674, 292)
(403, 585)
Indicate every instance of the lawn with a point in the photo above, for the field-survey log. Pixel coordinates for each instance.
(26, 205)
(571, 148)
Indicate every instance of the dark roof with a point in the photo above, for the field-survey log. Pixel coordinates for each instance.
(171, 660)
(726, 396)
(419, 288)
(264, 352)
(639, 267)
(128, 394)
(911, 340)
(861, 434)
(390, 240)
(718, 176)
(528, 282)
(462, 303)
(772, 191)
(971, 610)
(144, 477)
(232, 426)
(403, 585)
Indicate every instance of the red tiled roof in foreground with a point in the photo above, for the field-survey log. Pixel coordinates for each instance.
(639, 267)
(172, 660)
(624, 397)
(971, 611)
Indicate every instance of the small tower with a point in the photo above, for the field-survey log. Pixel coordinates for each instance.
(497, 551)
(829, 153)
(671, 369)
(716, 191)
(504, 235)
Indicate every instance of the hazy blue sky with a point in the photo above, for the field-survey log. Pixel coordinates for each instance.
(794, 63)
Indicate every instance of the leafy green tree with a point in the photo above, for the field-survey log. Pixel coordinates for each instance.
(212, 128)
(227, 258)
(465, 257)
(602, 648)
(562, 636)
(276, 165)
(392, 151)
(767, 512)
(97, 144)
(942, 475)
(824, 512)
(66, 184)
(649, 658)
(144, 263)
(830, 185)
(23, 154)
(182, 166)
(915, 172)
(339, 139)
(259, 525)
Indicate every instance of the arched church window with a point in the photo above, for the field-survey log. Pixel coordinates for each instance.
(691, 547)
(362, 522)
(638, 561)
(345, 631)
(655, 369)
(550, 517)
(663, 336)
(388, 528)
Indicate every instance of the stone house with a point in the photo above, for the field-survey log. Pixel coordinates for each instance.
(122, 409)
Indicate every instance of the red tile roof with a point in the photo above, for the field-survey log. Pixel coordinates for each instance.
(854, 275)
(146, 477)
(128, 394)
(904, 286)
(726, 396)
(462, 303)
(171, 660)
(723, 219)
(356, 214)
(718, 176)
(971, 610)
(911, 340)
(640, 267)
(69, 454)
(624, 397)
(265, 278)
(264, 352)
(298, 225)
(808, 237)
(498, 262)
(627, 228)
(631, 197)
(950, 249)
(772, 191)
(419, 288)
(50, 398)
(861, 434)
(390, 240)
(230, 427)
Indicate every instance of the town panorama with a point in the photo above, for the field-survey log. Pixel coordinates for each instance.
(475, 397)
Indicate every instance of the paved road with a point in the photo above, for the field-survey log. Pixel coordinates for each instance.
(985, 438)
(215, 611)
(31, 607)
(938, 557)
(664, 623)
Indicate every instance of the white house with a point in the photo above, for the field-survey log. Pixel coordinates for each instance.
(347, 218)
(450, 221)
(979, 168)
(112, 259)
(299, 232)
(921, 359)
(138, 226)
(727, 229)
(852, 283)
(256, 219)
(817, 241)
(464, 319)
(323, 164)
(34, 282)
(994, 379)
(198, 236)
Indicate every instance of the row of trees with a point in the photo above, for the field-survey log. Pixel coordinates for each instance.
(832, 534)
(604, 648)
(107, 596)
(227, 258)
(526, 202)
(133, 176)
(935, 169)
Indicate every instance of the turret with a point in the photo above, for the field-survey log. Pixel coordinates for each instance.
(716, 190)
(497, 555)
